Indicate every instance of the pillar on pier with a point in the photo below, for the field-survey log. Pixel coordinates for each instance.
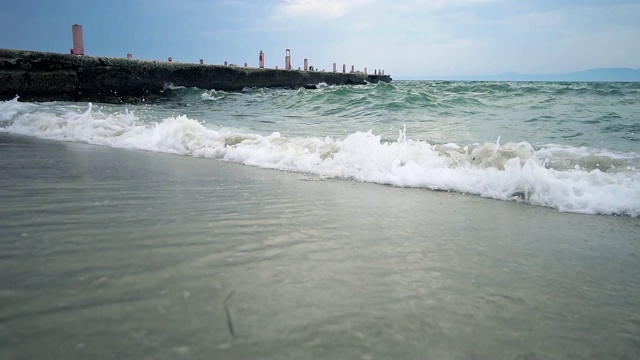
(365, 71)
(335, 67)
(344, 68)
(353, 69)
(306, 64)
(287, 60)
(78, 40)
(261, 60)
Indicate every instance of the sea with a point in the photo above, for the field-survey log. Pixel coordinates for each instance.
(402, 220)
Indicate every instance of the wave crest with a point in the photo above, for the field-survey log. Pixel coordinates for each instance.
(594, 182)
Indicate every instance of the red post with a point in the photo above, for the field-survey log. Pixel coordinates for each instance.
(306, 64)
(78, 40)
(261, 60)
(129, 56)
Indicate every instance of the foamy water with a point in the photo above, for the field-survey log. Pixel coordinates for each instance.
(580, 179)
(112, 248)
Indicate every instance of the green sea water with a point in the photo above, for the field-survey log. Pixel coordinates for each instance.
(413, 220)
(569, 146)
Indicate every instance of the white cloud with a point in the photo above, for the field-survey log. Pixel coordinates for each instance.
(319, 8)
(458, 37)
(452, 3)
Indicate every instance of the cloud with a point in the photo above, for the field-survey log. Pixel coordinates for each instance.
(441, 4)
(319, 8)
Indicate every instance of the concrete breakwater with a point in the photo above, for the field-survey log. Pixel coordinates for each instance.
(42, 76)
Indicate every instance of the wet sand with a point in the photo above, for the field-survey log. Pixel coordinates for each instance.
(109, 253)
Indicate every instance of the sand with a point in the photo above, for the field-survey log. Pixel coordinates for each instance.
(109, 253)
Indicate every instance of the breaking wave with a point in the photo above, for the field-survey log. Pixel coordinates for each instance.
(572, 179)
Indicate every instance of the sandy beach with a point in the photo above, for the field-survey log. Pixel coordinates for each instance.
(137, 254)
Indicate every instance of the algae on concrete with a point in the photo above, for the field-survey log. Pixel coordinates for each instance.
(41, 76)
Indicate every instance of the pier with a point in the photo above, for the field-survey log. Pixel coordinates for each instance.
(45, 76)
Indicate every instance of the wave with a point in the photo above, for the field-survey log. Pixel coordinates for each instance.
(379, 97)
(572, 179)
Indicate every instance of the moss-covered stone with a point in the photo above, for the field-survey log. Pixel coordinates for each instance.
(40, 76)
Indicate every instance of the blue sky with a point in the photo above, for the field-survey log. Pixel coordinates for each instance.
(404, 37)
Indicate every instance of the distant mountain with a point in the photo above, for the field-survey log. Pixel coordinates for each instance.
(602, 74)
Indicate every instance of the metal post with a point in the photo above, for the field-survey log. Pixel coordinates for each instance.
(287, 60)
(335, 69)
(344, 68)
(306, 64)
(261, 60)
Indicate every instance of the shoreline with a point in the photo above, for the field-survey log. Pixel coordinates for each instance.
(129, 242)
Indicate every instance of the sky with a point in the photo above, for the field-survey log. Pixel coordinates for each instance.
(406, 38)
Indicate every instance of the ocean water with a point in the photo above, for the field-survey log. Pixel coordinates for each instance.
(568, 146)
(421, 220)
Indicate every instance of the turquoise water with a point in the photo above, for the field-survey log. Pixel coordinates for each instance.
(412, 220)
(569, 146)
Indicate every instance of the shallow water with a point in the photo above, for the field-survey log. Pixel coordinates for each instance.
(569, 146)
(109, 253)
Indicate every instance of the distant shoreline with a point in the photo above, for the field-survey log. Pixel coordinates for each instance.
(590, 75)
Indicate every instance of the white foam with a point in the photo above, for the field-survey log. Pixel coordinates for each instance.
(211, 95)
(13, 108)
(170, 86)
(511, 171)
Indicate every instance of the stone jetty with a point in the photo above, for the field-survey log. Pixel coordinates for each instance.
(43, 76)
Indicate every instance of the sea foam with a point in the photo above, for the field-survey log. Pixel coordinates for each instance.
(569, 179)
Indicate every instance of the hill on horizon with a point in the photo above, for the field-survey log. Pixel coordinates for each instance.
(597, 74)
